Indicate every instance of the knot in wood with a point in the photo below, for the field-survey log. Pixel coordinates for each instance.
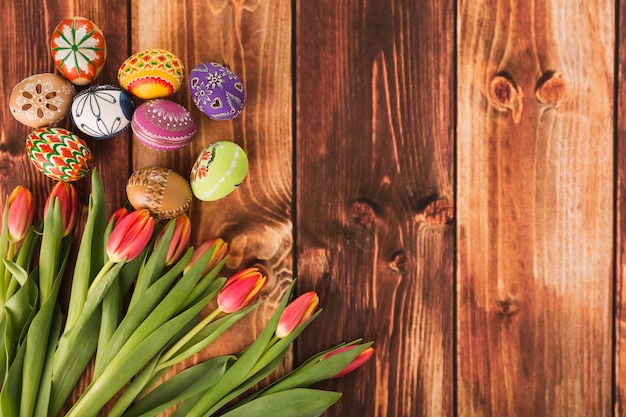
(507, 307)
(551, 88)
(438, 212)
(398, 261)
(7, 168)
(506, 95)
(364, 212)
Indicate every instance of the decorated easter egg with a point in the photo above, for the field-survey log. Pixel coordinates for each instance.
(153, 73)
(41, 100)
(78, 49)
(218, 170)
(163, 125)
(102, 111)
(217, 91)
(58, 153)
(165, 193)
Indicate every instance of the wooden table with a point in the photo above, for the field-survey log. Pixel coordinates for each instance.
(448, 176)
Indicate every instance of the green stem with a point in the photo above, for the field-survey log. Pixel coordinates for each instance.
(183, 340)
(6, 280)
(105, 268)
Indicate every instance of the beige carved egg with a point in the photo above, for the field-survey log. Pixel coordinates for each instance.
(41, 100)
(164, 192)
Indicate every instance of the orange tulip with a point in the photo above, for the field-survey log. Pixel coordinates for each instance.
(130, 236)
(180, 238)
(296, 313)
(21, 212)
(240, 290)
(356, 362)
(66, 195)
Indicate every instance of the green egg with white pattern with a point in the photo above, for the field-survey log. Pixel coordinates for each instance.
(219, 169)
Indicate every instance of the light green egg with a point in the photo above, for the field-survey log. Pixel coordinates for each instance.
(218, 171)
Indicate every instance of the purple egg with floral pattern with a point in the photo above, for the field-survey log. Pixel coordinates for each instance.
(217, 91)
(163, 125)
(102, 111)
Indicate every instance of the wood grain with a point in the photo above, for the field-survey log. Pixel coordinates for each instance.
(535, 211)
(375, 98)
(620, 262)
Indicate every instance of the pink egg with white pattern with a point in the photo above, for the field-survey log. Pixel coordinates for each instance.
(163, 125)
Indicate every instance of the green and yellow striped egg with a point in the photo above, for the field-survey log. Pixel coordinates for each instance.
(58, 153)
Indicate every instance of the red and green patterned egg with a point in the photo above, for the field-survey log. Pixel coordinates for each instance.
(59, 153)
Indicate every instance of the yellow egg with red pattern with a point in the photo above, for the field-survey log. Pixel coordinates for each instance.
(153, 73)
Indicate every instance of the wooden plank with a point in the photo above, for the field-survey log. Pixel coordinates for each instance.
(535, 207)
(375, 100)
(620, 291)
(253, 40)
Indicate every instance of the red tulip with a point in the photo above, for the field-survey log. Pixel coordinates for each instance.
(240, 290)
(21, 212)
(130, 236)
(221, 248)
(356, 362)
(296, 313)
(66, 195)
(180, 238)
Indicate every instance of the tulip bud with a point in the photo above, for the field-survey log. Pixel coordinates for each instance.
(180, 238)
(67, 197)
(240, 290)
(221, 248)
(296, 313)
(356, 362)
(130, 236)
(21, 212)
(119, 214)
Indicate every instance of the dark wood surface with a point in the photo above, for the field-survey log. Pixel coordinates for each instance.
(447, 176)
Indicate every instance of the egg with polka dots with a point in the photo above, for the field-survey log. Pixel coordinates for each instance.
(219, 169)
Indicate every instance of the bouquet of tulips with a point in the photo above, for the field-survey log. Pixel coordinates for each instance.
(134, 312)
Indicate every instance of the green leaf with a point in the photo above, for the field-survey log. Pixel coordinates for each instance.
(133, 389)
(111, 311)
(23, 260)
(17, 271)
(93, 301)
(299, 402)
(137, 315)
(153, 267)
(90, 257)
(38, 335)
(4, 246)
(12, 388)
(249, 383)
(20, 311)
(45, 386)
(137, 351)
(206, 283)
(68, 372)
(49, 253)
(98, 252)
(181, 386)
